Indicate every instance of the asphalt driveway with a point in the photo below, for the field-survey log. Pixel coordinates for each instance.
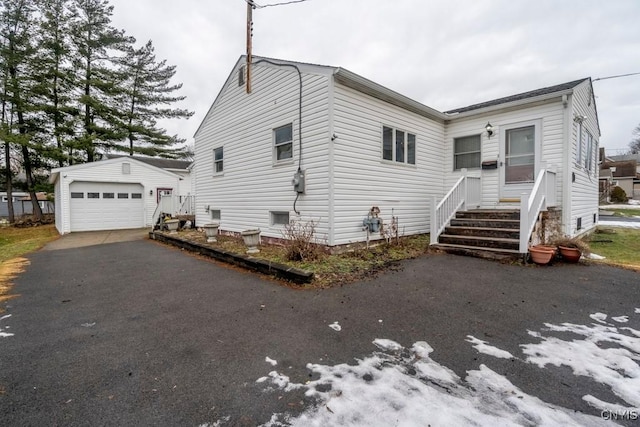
(137, 333)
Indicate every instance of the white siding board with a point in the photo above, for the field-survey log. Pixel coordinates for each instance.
(551, 115)
(362, 179)
(584, 191)
(252, 185)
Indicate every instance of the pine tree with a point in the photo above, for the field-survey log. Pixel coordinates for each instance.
(55, 79)
(148, 96)
(19, 126)
(97, 48)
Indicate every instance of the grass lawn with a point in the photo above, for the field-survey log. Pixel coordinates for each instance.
(620, 246)
(15, 242)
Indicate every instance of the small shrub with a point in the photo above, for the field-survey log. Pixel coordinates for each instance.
(300, 241)
(618, 195)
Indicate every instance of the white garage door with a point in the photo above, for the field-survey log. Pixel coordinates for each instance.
(106, 206)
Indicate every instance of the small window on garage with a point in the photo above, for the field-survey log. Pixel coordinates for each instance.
(126, 168)
(136, 195)
(93, 195)
(108, 195)
(279, 218)
(123, 195)
(75, 195)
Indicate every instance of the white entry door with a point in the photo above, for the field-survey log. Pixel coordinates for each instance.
(106, 206)
(520, 153)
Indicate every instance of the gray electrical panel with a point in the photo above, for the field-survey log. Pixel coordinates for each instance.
(298, 181)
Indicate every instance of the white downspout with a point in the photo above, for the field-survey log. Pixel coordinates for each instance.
(567, 138)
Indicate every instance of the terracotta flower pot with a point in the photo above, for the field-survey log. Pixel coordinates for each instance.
(541, 255)
(570, 254)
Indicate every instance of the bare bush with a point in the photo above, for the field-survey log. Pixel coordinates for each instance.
(300, 241)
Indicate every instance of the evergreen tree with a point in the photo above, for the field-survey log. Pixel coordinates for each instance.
(97, 47)
(56, 78)
(19, 126)
(148, 96)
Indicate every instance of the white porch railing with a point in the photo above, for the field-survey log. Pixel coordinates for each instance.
(173, 205)
(187, 206)
(542, 196)
(465, 193)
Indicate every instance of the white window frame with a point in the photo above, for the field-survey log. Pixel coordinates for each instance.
(394, 146)
(219, 161)
(479, 151)
(589, 153)
(275, 146)
(579, 140)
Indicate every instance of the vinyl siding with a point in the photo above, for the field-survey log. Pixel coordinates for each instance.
(252, 184)
(363, 180)
(109, 171)
(550, 114)
(584, 191)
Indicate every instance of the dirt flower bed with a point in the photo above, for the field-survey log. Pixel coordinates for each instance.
(329, 270)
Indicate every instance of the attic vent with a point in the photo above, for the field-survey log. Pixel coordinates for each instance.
(241, 76)
(126, 168)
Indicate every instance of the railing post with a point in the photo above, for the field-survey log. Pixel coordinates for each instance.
(434, 222)
(466, 189)
(524, 222)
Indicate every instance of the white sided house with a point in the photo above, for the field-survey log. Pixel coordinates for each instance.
(118, 193)
(318, 143)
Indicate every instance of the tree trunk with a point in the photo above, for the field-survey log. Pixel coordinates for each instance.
(36, 211)
(7, 154)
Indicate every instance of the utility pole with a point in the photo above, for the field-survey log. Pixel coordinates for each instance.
(250, 7)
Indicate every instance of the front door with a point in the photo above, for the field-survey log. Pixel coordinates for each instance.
(519, 151)
(163, 192)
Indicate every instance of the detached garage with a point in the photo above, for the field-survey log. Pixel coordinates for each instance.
(111, 194)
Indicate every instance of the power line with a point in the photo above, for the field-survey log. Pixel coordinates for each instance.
(615, 77)
(258, 6)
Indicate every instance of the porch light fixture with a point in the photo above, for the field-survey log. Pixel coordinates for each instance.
(489, 129)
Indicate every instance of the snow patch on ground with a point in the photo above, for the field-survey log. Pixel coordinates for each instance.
(335, 326)
(621, 319)
(599, 317)
(615, 365)
(595, 257)
(2, 333)
(622, 224)
(484, 347)
(271, 361)
(404, 386)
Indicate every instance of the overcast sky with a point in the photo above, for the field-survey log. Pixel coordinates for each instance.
(442, 53)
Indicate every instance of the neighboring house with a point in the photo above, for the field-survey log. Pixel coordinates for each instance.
(621, 173)
(120, 192)
(22, 203)
(360, 145)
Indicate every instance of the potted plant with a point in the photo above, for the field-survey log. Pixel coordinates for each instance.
(571, 248)
(252, 240)
(211, 231)
(542, 254)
